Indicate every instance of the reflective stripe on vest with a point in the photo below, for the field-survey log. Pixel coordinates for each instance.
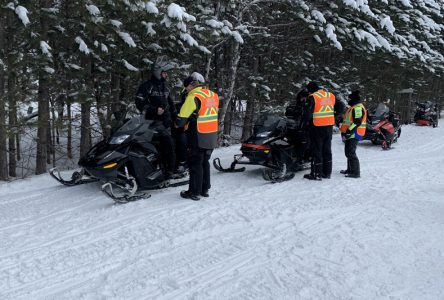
(348, 116)
(207, 118)
(323, 114)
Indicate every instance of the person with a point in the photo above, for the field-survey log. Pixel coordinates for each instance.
(320, 117)
(154, 100)
(298, 136)
(199, 114)
(296, 110)
(180, 139)
(353, 126)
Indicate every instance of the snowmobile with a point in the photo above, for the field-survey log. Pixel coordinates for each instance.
(383, 127)
(126, 163)
(426, 114)
(278, 144)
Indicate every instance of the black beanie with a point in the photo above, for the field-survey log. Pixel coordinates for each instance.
(312, 87)
(187, 81)
(354, 96)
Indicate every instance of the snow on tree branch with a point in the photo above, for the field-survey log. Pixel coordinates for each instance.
(127, 38)
(151, 8)
(129, 66)
(22, 13)
(82, 45)
(46, 49)
(93, 10)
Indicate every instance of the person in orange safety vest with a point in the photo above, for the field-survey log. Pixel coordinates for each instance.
(320, 118)
(199, 114)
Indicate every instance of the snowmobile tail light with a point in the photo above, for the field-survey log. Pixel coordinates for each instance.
(109, 166)
(263, 134)
(256, 147)
(266, 151)
(119, 139)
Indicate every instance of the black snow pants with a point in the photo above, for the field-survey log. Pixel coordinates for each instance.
(320, 138)
(199, 166)
(167, 153)
(353, 166)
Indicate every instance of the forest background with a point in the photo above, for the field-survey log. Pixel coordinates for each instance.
(66, 67)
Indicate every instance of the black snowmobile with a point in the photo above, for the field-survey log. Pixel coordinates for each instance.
(426, 114)
(383, 127)
(278, 144)
(126, 163)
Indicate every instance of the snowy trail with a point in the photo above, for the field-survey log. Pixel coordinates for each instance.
(376, 237)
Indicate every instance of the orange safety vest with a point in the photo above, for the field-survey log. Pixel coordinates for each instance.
(323, 114)
(348, 116)
(207, 121)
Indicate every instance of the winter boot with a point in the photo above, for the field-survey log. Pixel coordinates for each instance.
(348, 168)
(313, 176)
(354, 169)
(188, 195)
(326, 169)
(205, 194)
(350, 175)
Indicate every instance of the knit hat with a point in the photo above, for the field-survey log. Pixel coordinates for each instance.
(312, 87)
(354, 96)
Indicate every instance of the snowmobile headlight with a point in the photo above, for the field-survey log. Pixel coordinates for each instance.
(109, 166)
(119, 139)
(263, 134)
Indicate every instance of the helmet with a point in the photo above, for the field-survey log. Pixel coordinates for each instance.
(194, 77)
(161, 65)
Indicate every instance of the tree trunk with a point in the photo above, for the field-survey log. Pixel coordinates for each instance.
(12, 120)
(232, 81)
(69, 130)
(3, 150)
(50, 145)
(85, 127)
(12, 105)
(249, 110)
(43, 98)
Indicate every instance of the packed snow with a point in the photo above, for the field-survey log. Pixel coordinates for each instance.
(378, 237)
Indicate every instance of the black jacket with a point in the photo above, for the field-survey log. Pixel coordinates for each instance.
(153, 94)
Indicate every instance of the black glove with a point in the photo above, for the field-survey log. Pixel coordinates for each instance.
(348, 134)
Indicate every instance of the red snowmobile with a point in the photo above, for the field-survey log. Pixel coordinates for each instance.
(426, 114)
(383, 127)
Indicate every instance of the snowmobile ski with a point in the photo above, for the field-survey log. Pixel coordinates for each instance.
(129, 195)
(127, 191)
(76, 177)
(217, 165)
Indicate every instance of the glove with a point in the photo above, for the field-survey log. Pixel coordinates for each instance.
(348, 134)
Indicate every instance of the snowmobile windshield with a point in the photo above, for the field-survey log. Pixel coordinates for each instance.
(138, 127)
(131, 125)
(266, 122)
(381, 110)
